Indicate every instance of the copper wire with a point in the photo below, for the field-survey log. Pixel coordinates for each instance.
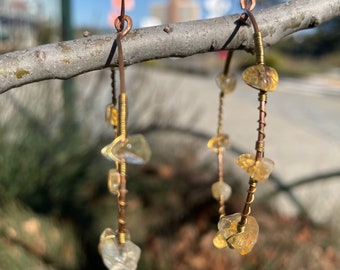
(113, 86)
(259, 147)
(220, 151)
(221, 209)
(227, 62)
(219, 133)
(121, 63)
(262, 124)
(220, 114)
(114, 100)
(248, 4)
(247, 209)
(122, 204)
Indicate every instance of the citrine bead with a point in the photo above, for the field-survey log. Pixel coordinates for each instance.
(116, 256)
(258, 170)
(226, 83)
(111, 115)
(113, 181)
(219, 240)
(218, 141)
(134, 149)
(241, 240)
(221, 190)
(261, 77)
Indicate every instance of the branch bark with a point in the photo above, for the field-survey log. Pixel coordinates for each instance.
(67, 59)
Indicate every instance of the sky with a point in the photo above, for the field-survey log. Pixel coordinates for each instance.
(95, 13)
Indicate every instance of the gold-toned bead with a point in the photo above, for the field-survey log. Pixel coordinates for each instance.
(258, 170)
(124, 237)
(261, 77)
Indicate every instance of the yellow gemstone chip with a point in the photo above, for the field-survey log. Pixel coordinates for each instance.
(134, 149)
(258, 170)
(226, 83)
(229, 235)
(219, 141)
(261, 77)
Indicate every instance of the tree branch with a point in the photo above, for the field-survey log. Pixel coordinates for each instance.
(70, 58)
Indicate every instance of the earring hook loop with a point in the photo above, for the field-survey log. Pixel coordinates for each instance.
(248, 4)
(120, 27)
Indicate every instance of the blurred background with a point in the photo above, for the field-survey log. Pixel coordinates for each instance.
(54, 202)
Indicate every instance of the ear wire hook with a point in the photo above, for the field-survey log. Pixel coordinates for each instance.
(120, 26)
(248, 4)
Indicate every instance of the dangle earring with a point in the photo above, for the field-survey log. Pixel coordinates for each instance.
(115, 246)
(221, 191)
(239, 231)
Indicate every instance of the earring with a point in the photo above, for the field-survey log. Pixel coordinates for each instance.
(115, 246)
(240, 231)
(221, 191)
